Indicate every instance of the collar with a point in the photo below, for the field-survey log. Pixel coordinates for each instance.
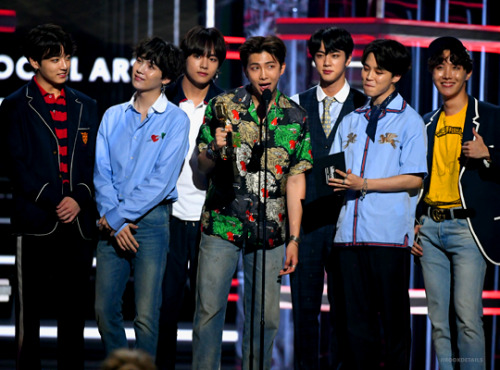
(341, 96)
(159, 106)
(176, 95)
(44, 93)
(383, 106)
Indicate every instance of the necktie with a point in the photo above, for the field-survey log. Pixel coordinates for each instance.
(371, 129)
(326, 119)
(376, 110)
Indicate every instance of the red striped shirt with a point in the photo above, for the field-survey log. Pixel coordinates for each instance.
(58, 112)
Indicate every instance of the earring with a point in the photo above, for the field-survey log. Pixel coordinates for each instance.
(216, 75)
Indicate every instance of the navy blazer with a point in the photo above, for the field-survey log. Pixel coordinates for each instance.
(322, 211)
(33, 149)
(479, 184)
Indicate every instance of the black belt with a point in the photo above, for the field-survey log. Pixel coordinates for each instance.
(441, 214)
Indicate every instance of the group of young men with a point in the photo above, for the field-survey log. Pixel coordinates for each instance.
(186, 175)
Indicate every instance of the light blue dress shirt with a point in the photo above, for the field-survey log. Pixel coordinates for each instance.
(381, 218)
(138, 163)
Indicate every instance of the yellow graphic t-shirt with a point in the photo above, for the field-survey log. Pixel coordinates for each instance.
(443, 189)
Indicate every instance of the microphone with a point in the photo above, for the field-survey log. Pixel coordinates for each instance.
(267, 96)
(254, 164)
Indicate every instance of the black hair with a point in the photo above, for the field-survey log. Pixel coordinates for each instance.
(390, 55)
(200, 40)
(459, 55)
(167, 57)
(334, 39)
(258, 44)
(45, 41)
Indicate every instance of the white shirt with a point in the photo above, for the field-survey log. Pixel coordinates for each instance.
(337, 105)
(192, 184)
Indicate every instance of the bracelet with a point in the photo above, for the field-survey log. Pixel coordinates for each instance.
(211, 153)
(364, 188)
(294, 238)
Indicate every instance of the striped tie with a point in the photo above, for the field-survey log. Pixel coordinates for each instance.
(326, 119)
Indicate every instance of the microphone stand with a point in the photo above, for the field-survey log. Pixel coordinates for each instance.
(266, 97)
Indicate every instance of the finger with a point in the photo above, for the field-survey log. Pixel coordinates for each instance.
(63, 215)
(128, 243)
(120, 244)
(474, 132)
(341, 173)
(70, 219)
(415, 252)
(287, 270)
(131, 238)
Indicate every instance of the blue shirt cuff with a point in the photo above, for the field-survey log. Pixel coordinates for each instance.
(114, 220)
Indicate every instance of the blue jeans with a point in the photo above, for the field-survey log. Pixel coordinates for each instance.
(148, 266)
(454, 268)
(217, 263)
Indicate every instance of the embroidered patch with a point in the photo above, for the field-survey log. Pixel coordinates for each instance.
(85, 137)
(351, 139)
(389, 138)
(155, 138)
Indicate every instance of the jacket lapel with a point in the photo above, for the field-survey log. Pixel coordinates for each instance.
(471, 120)
(74, 110)
(431, 132)
(37, 104)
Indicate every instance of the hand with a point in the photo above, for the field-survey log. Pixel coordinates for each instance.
(221, 136)
(67, 210)
(292, 258)
(348, 180)
(416, 249)
(476, 149)
(103, 224)
(126, 240)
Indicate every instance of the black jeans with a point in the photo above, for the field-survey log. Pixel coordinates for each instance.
(53, 282)
(184, 246)
(314, 337)
(373, 307)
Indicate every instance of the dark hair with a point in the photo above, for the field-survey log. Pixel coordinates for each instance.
(335, 39)
(258, 44)
(459, 55)
(199, 40)
(45, 41)
(390, 55)
(167, 57)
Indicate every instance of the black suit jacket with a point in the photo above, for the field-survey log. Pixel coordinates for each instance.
(479, 184)
(321, 211)
(33, 151)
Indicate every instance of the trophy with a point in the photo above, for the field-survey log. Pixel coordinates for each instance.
(221, 115)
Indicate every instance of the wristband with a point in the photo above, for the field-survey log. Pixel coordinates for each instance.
(294, 238)
(211, 153)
